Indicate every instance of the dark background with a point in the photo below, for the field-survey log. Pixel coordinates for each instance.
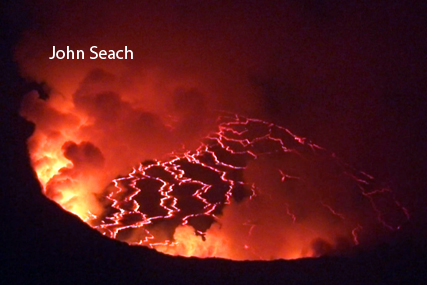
(386, 137)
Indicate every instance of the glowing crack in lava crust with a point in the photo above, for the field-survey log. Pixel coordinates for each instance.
(251, 190)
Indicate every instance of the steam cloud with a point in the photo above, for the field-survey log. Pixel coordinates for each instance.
(284, 62)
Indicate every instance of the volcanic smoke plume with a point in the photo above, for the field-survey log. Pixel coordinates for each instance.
(186, 149)
(250, 190)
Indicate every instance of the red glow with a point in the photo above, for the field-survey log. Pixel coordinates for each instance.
(215, 171)
(250, 190)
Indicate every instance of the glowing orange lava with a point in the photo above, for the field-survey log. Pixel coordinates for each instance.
(251, 190)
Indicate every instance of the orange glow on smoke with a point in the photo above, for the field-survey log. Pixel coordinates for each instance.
(250, 190)
(143, 151)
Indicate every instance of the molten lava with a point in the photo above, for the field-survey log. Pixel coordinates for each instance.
(251, 190)
(190, 195)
